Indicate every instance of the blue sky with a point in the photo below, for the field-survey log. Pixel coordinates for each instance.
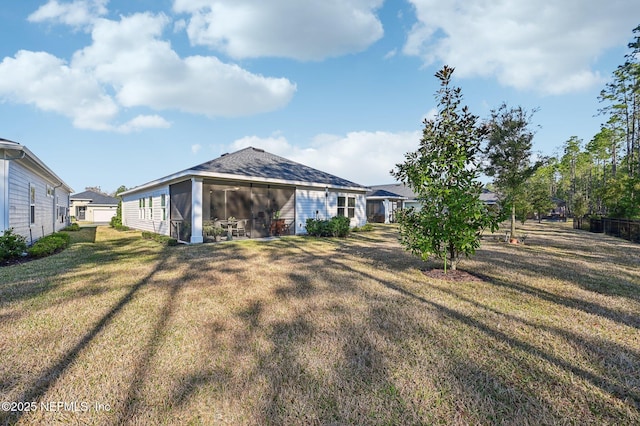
(121, 92)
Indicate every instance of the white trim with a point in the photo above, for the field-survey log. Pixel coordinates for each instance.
(180, 176)
(196, 213)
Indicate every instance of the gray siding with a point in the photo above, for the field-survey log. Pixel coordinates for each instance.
(151, 219)
(47, 219)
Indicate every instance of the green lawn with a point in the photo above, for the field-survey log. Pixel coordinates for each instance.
(308, 331)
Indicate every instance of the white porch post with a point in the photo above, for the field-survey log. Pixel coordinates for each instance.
(196, 210)
(387, 211)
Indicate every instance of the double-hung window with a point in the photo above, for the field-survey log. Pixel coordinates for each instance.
(347, 206)
(150, 208)
(163, 206)
(141, 208)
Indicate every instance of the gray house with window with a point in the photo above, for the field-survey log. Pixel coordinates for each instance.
(260, 193)
(34, 201)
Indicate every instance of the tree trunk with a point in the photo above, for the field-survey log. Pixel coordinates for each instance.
(513, 220)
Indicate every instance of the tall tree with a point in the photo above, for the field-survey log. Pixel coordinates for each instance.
(508, 154)
(444, 173)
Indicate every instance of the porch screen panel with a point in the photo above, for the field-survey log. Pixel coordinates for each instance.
(261, 211)
(180, 196)
(283, 201)
(375, 211)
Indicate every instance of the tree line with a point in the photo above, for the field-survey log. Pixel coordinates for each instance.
(600, 177)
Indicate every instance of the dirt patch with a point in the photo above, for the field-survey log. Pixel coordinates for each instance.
(451, 275)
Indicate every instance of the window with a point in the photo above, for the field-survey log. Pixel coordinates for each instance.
(347, 206)
(163, 205)
(50, 191)
(32, 203)
(150, 208)
(351, 207)
(141, 208)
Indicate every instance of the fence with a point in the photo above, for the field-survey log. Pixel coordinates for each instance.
(621, 228)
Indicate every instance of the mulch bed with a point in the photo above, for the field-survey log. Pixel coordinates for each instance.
(451, 275)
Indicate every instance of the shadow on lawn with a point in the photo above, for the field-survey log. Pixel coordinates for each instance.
(39, 387)
(619, 386)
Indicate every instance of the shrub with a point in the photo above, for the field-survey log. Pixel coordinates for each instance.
(12, 244)
(72, 227)
(162, 239)
(337, 226)
(115, 221)
(50, 244)
(367, 227)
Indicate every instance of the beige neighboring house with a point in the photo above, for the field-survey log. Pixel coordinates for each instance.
(91, 206)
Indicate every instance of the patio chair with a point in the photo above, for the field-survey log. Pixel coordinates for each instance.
(239, 229)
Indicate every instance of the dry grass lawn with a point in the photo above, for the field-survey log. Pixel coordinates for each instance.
(308, 331)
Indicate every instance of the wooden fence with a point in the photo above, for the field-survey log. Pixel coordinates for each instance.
(621, 228)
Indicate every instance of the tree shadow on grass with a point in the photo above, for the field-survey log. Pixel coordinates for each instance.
(40, 385)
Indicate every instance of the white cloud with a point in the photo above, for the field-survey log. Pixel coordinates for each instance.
(375, 153)
(142, 122)
(48, 83)
(78, 13)
(129, 65)
(546, 45)
(196, 148)
(283, 28)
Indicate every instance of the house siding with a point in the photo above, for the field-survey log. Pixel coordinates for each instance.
(131, 210)
(313, 204)
(47, 218)
(4, 195)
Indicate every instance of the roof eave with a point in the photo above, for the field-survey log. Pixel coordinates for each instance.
(225, 176)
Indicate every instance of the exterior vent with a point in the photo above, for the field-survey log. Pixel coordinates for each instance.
(258, 150)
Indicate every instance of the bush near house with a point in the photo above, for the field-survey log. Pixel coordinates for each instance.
(72, 227)
(12, 245)
(50, 244)
(337, 226)
(162, 239)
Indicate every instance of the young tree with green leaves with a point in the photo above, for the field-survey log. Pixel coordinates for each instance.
(508, 155)
(444, 173)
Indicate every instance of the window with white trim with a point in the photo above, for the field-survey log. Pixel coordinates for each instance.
(163, 206)
(150, 217)
(141, 208)
(347, 206)
(50, 191)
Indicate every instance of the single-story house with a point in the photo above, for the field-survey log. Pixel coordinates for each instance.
(384, 200)
(264, 193)
(93, 206)
(34, 201)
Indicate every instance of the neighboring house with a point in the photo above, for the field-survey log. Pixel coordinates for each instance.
(252, 186)
(34, 201)
(91, 206)
(384, 200)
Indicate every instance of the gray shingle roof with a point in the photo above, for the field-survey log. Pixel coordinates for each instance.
(397, 189)
(95, 197)
(257, 163)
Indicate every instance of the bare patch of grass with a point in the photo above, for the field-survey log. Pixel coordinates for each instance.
(310, 331)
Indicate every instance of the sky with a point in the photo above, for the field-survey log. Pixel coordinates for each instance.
(122, 92)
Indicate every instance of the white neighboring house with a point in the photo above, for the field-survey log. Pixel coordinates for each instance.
(383, 201)
(34, 201)
(91, 206)
(270, 195)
